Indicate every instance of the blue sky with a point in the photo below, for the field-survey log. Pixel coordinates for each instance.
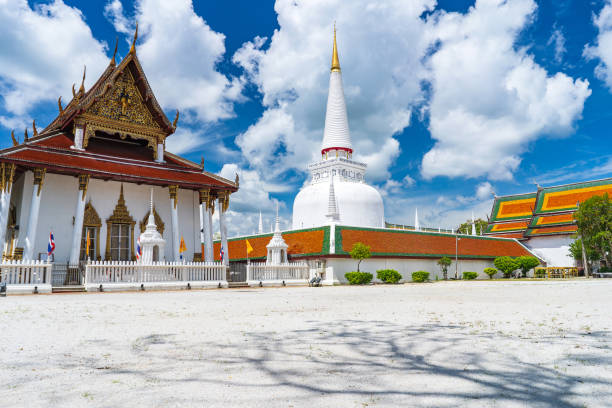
(448, 101)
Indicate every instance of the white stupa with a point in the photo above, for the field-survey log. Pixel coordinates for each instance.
(337, 191)
(151, 241)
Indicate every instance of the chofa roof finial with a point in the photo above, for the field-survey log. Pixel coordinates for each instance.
(25, 135)
(133, 47)
(82, 88)
(112, 62)
(34, 130)
(59, 105)
(15, 142)
(176, 118)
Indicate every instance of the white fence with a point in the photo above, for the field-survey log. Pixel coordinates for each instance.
(133, 272)
(290, 271)
(25, 272)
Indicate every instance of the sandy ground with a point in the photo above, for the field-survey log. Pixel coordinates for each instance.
(446, 344)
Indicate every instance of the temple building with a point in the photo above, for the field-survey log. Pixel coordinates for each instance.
(98, 170)
(337, 209)
(544, 220)
(336, 190)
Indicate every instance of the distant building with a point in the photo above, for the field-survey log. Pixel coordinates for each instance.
(544, 220)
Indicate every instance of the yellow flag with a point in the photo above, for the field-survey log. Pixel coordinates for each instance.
(182, 247)
(87, 244)
(249, 247)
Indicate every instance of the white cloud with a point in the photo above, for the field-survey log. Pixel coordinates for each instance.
(380, 47)
(484, 191)
(42, 54)
(602, 49)
(409, 181)
(490, 99)
(558, 40)
(179, 52)
(113, 11)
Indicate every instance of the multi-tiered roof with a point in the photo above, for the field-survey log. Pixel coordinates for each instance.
(549, 211)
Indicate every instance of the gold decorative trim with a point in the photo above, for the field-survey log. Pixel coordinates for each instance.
(39, 179)
(83, 183)
(223, 197)
(92, 219)
(7, 176)
(203, 195)
(173, 190)
(120, 215)
(158, 222)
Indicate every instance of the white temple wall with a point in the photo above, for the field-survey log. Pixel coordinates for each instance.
(405, 266)
(58, 203)
(553, 249)
(21, 197)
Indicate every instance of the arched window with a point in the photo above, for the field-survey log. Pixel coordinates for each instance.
(120, 233)
(91, 225)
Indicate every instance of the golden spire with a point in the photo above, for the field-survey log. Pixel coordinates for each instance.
(133, 47)
(112, 63)
(34, 130)
(82, 88)
(15, 142)
(335, 61)
(59, 105)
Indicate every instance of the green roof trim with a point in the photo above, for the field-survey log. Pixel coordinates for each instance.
(502, 199)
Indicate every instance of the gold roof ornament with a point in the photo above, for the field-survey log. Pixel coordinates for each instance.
(82, 87)
(73, 92)
(59, 105)
(25, 135)
(133, 47)
(175, 119)
(34, 130)
(335, 61)
(112, 61)
(15, 142)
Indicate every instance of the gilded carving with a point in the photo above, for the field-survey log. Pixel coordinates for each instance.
(223, 200)
(39, 179)
(83, 183)
(7, 176)
(120, 215)
(173, 190)
(158, 222)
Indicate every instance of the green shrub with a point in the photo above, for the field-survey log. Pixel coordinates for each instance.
(526, 263)
(420, 276)
(388, 275)
(506, 265)
(358, 278)
(470, 275)
(490, 271)
(539, 273)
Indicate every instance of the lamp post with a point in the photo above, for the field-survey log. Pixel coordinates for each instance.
(457, 239)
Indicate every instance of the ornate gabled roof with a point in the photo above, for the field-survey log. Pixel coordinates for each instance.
(513, 207)
(120, 101)
(565, 198)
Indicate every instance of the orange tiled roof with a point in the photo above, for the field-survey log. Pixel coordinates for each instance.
(564, 198)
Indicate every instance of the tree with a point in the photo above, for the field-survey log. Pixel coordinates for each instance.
(466, 227)
(526, 263)
(506, 265)
(490, 271)
(594, 220)
(444, 263)
(575, 250)
(360, 252)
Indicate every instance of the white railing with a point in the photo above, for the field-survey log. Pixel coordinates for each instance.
(134, 272)
(25, 272)
(287, 271)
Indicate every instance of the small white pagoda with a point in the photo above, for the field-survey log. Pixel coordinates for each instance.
(151, 242)
(277, 247)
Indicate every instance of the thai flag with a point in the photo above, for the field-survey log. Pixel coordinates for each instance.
(138, 249)
(221, 253)
(51, 245)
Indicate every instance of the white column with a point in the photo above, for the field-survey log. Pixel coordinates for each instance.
(78, 138)
(208, 234)
(223, 230)
(39, 177)
(8, 171)
(175, 226)
(160, 153)
(79, 213)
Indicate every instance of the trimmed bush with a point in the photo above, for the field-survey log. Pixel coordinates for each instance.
(470, 275)
(539, 273)
(388, 275)
(506, 265)
(490, 271)
(358, 278)
(420, 276)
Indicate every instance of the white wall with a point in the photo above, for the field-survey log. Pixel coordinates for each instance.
(58, 203)
(405, 266)
(553, 249)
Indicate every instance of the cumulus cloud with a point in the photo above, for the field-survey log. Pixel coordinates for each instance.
(489, 99)
(42, 54)
(557, 39)
(179, 52)
(380, 47)
(602, 49)
(484, 191)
